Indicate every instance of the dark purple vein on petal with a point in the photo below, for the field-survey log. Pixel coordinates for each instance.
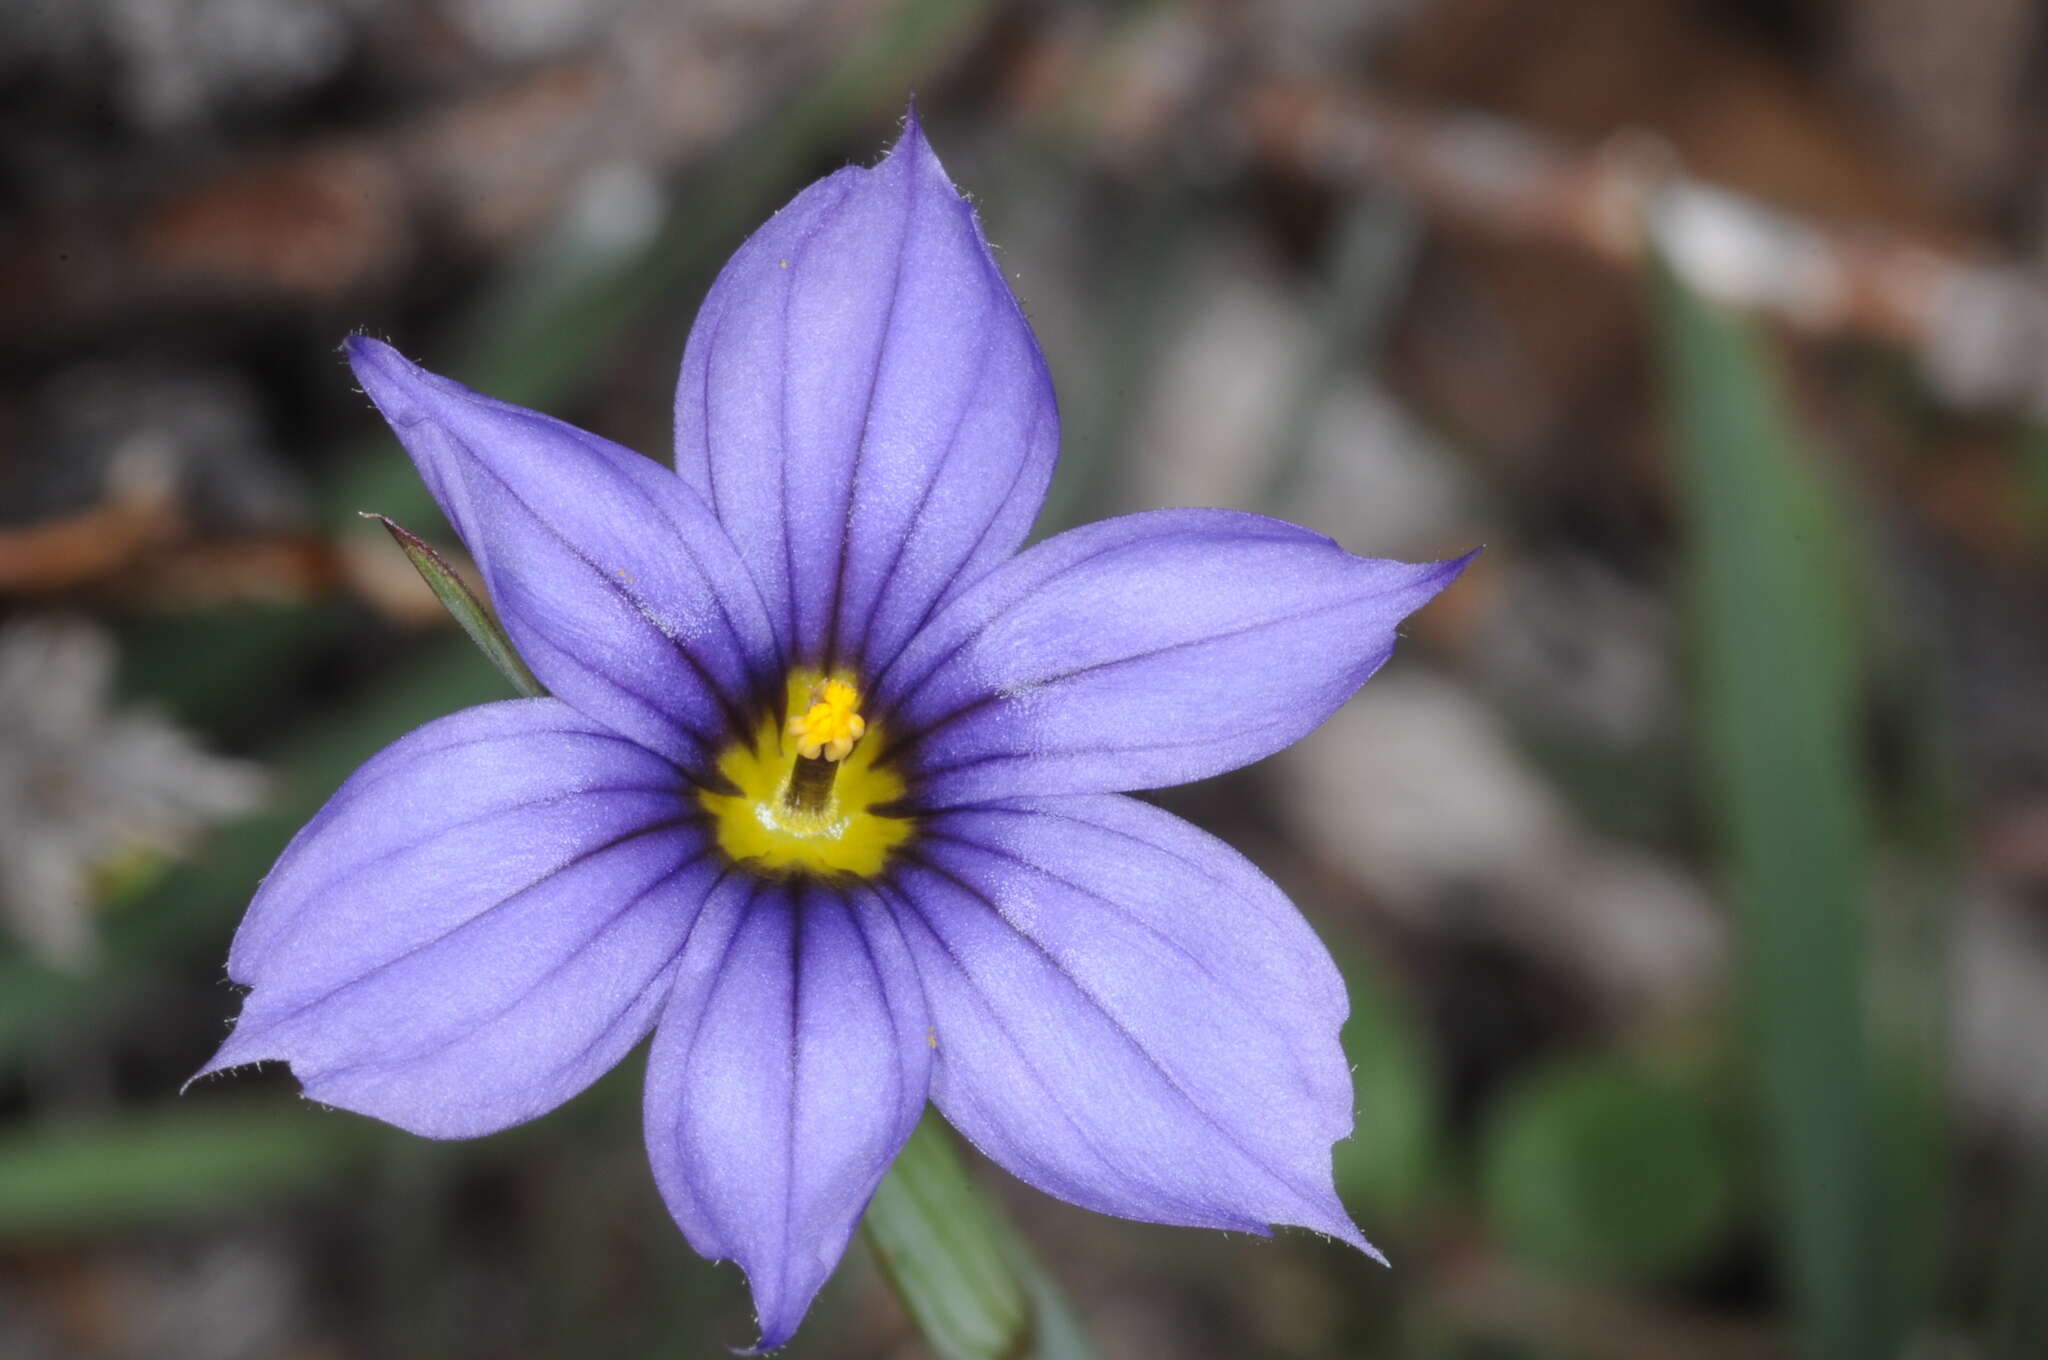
(554, 970)
(796, 1023)
(1230, 985)
(886, 713)
(718, 978)
(1002, 502)
(883, 344)
(1116, 1023)
(796, 255)
(322, 887)
(655, 977)
(924, 498)
(889, 1013)
(900, 906)
(907, 807)
(350, 793)
(905, 741)
(582, 856)
(737, 722)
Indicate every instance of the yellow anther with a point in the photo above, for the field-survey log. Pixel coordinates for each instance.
(832, 724)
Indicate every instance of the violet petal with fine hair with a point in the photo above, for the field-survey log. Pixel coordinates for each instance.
(864, 405)
(480, 922)
(1130, 1016)
(1143, 651)
(790, 1067)
(621, 590)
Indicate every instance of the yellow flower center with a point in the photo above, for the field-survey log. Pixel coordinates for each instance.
(808, 789)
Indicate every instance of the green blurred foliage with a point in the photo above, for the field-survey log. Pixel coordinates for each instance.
(1387, 1169)
(1594, 1167)
(177, 1165)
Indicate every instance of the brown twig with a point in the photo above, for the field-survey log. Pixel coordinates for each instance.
(139, 515)
(1980, 328)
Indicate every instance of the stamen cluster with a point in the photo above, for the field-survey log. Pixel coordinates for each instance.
(832, 724)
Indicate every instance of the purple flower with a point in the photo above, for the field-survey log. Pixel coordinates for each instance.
(830, 796)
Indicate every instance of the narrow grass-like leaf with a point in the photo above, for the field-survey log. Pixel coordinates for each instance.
(1057, 1332)
(1923, 821)
(2019, 1329)
(1778, 707)
(970, 1286)
(80, 1179)
(1144, 289)
(1372, 254)
(936, 1241)
(461, 603)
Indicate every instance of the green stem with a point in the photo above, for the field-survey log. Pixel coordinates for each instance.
(969, 1284)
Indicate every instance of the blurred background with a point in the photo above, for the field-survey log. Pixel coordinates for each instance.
(1689, 862)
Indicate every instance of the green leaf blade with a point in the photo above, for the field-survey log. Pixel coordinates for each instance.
(967, 1281)
(1779, 708)
(463, 606)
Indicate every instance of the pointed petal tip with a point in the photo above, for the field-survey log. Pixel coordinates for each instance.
(1432, 578)
(212, 1067)
(1350, 1236)
(912, 139)
(1337, 1224)
(234, 1052)
(770, 1342)
(1443, 571)
(387, 377)
(774, 1316)
(364, 349)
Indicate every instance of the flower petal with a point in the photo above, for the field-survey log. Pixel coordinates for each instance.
(618, 586)
(863, 403)
(477, 925)
(789, 1069)
(1128, 1015)
(1142, 651)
